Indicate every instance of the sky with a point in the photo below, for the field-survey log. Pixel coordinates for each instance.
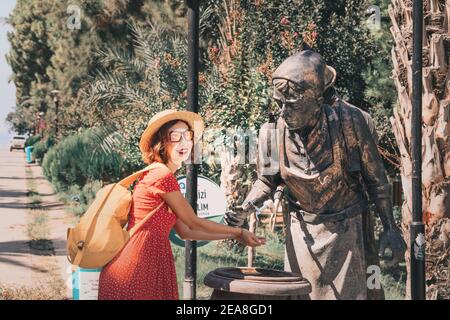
(7, 90)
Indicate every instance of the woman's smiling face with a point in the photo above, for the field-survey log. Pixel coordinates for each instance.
(179, 151)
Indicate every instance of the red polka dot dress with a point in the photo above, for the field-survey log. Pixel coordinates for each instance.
(145, 269)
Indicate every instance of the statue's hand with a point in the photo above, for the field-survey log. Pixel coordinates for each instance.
(392, 238)
(237, 217)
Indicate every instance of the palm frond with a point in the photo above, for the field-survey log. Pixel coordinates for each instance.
(205, 17)
(121, 61)
(104, 140)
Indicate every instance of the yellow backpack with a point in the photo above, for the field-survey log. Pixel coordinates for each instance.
(100, 234)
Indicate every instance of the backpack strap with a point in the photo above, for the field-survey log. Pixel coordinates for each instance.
(128, 181)
(141, 223)
(149, 215)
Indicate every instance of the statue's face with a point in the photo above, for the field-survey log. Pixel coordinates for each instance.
(298, 104)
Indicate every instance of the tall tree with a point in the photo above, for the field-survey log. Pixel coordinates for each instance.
(435, 132)
(29, 59)
(54, 48)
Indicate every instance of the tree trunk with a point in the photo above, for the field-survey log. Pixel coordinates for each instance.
(435, 132)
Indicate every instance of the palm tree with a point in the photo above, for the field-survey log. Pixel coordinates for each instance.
(435, 132)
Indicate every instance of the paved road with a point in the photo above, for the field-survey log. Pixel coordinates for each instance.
(18, 264)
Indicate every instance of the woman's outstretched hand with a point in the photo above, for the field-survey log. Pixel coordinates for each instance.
(250, 239)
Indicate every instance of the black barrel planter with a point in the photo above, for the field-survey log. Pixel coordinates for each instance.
(256, 284)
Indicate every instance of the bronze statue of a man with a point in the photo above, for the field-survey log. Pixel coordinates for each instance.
(327, 158)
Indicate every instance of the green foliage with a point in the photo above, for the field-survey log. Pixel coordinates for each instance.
(42, 146)
(394, 283)
(247, 40)
(273, 30)
(46, 54)
(87, 156)
(131, 86)
(29, 59)
(32, 140)
(78, 199)
(30, 52)
(256, 42)
(128, 61)
(380, 91)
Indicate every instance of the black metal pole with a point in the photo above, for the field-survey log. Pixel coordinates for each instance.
(56, 113)
(417, 241)
(190, 276)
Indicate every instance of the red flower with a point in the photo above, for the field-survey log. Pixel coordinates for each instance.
(284, 21)
(295, 35)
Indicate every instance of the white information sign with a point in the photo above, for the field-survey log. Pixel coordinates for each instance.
(85, 284)
(211, 202)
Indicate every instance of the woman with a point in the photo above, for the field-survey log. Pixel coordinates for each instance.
(144, 268)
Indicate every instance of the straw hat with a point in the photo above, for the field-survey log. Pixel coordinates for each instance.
(193, 119)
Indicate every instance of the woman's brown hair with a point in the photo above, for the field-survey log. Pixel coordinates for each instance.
(158, 143)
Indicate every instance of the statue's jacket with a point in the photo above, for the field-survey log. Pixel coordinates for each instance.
(330, 179)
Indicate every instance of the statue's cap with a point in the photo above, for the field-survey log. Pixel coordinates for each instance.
(306, 68)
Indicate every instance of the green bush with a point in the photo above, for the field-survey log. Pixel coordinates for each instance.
(32, 140)
(78, 199)
(81, 158)
(41, 147)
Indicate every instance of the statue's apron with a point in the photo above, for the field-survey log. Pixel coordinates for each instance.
(327, 249)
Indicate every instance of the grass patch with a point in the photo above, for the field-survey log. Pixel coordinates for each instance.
(393, 281)
(31, 184)
(393, 289)
(37, 226)
(38, 230)
(52, 290)
(34, 199)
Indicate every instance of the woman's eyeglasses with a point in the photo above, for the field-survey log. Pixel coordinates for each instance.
(175, 136)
